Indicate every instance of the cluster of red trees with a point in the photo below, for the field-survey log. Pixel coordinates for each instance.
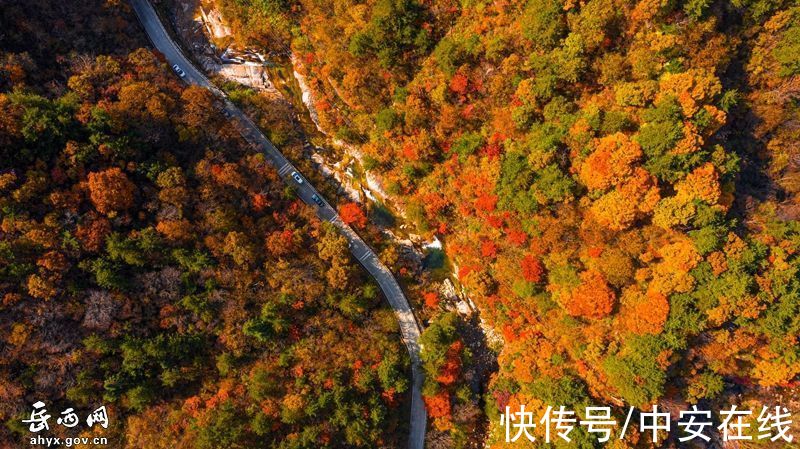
(596, 170)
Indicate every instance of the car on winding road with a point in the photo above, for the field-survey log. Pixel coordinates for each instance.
(179, 70)
(296, 176)
(409, 327)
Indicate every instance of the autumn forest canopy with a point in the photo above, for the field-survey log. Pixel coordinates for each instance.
(151, 262)
(616, 181)
(617, 184)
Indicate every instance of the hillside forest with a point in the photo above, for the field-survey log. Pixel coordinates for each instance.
(615, 181)
(153, 263)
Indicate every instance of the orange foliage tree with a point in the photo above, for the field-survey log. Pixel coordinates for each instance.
(111, 190)
(644, 314)
(611, 162)
(593, 298)
(438, 407)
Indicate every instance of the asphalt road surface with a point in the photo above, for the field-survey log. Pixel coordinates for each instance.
(361, 251)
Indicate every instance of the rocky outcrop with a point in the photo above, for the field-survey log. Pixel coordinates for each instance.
(214, 24)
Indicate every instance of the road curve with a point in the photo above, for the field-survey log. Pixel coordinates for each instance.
(409, 327)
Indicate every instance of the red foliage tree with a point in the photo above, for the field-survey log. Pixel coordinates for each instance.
(353, 215)
(516, 237)
(431, 299)
(486, 202)
(260, 201)
(532, 269)
(459, 83)
(92, 234)
(448, 373)
(488, 249)
(280, 243)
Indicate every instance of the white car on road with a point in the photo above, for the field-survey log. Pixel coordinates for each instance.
(297, 177)
(179, 70)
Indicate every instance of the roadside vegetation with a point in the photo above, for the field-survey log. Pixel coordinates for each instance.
(153, 263)
(616, 182)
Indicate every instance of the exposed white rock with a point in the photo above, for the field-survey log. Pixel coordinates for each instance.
(433, 244)
(214, 23)
(448, 290)
(352, 193)
(374, 189)
(463, 308)
(308, 96)
(375, 186)
(247, 74)
(493, 339)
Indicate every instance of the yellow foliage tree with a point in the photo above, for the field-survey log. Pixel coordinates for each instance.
(630, 201)
(693, 88)
(702, 184)
(671, 274)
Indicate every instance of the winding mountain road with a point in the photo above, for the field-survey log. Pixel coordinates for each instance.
(409, 327)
